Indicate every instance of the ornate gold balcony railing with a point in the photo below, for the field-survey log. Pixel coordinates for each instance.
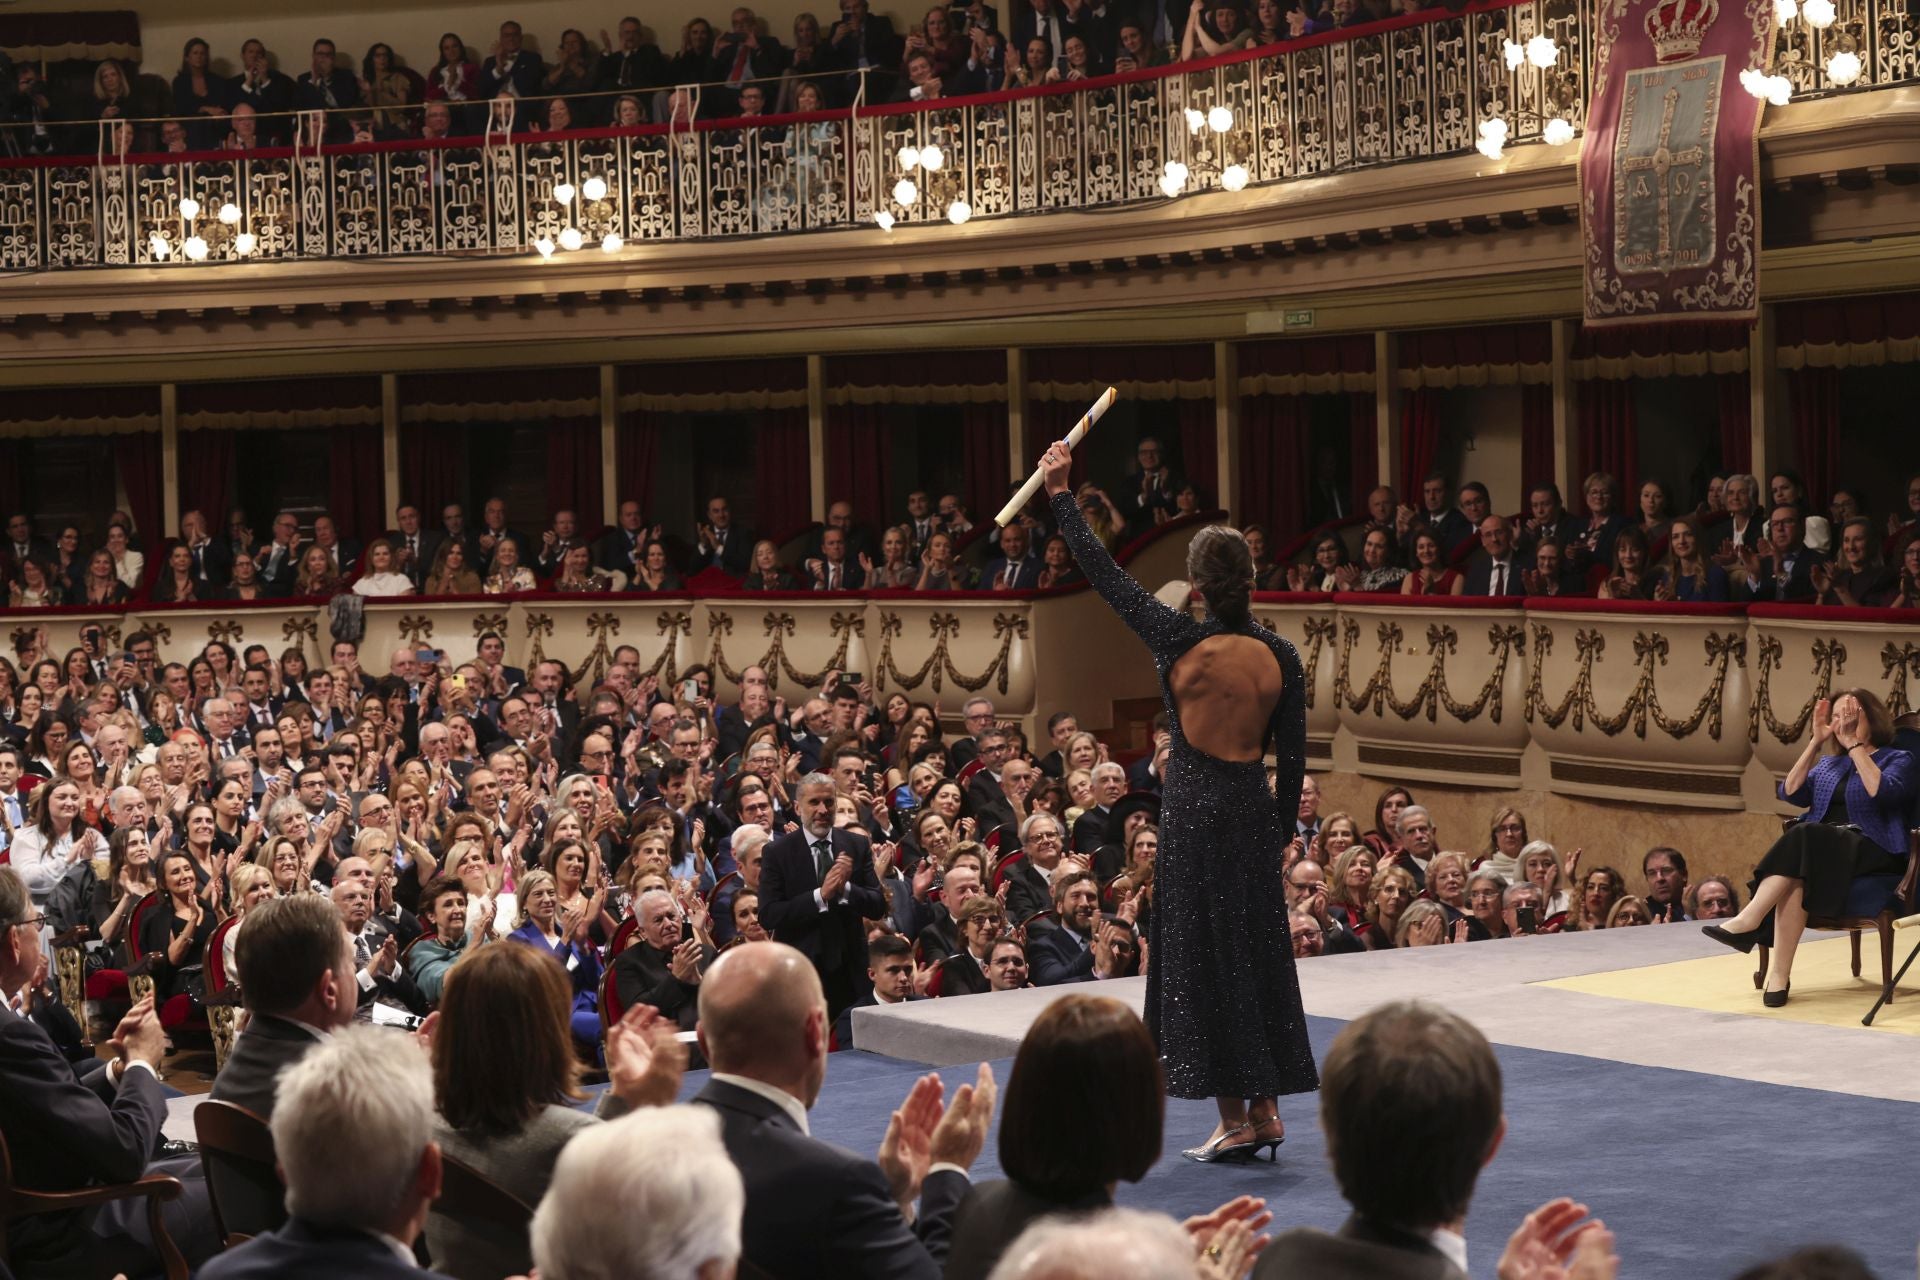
(1406, 89)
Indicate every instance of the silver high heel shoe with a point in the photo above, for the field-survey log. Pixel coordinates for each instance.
(1217, 1150)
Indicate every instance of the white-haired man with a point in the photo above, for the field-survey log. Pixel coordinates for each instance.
(1090, 828)
(366, 1091)
(679, 1218)
(1419, 842)
(1128, 1242)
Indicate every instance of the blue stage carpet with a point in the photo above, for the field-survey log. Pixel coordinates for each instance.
(1697, 1175)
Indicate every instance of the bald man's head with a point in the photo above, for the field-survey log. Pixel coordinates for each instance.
(763, 1015)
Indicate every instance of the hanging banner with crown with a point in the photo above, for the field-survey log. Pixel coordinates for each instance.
(1669, 168)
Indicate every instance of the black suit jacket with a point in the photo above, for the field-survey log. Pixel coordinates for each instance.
(833, 939)
(731, 726)
(615, 549)
(1025, 573)
(992, 1217)
(641, 976)
(303, 1250)
(267, 1047)
(1356, 1252)
(1797, 588)
(68, 1129)
(961, 975)
(1480, 577)
(1057, 957)
(735, 555)
(216, 562)
(1027, 892)
(816, 1210)
(1090, 830)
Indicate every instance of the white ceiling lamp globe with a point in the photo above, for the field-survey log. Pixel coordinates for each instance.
(1542, 52)
(1779, 90)
(594, 188)
(1819, 13)
(1234, 177)
(1220, 119)
(932, 158)
(544, 247)
(958, 212)
(245, 243)
(1843, 67)
(189, 208)
(1558, 131)
(1514, 52)
(1196, 119)
(563, 193)
(195, 248)
(883, 219)
(158, 246)
(1754, 81)
(611, 243)
(229, 213)
(905, 193)
(1785, 11)
(571, 239)
(908, 157)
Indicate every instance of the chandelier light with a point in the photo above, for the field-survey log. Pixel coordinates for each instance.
(544, 247)
(157, 244)
(1174, 180)
(1234, 177)
(1754, 81)
(1196, 119)
(1220, 119)
(1493, 137)
(230, 214)
(1843, 67)
(571, 239)
(1542, 52)
(932, 158)
(909, 157)
(958, 212)
(611, 243)
(245, 243)
(905, 193)
(1558, 132)
(195, 248)
(1785, 11)
(1819, 14)
(594, 188)
(563, 193)
(1779, 90)
(1514, 52)
(189, 208)
(883, 219)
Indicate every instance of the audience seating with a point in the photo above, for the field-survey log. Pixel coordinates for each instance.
(236, 1150)
(1873, 902)
(157, 1188)
(488, 1212)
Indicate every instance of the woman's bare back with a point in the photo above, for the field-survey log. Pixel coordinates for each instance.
(1226, 688)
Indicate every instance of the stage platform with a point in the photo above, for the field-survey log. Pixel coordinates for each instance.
(1658, 996)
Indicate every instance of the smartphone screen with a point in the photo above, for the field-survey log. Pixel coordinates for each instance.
(1527, 918)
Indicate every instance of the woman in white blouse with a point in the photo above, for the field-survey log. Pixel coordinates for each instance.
(380, 579)
(53, 838)
(508, 574)
(127, 563)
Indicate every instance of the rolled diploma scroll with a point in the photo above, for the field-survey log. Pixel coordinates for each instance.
(1017, 503)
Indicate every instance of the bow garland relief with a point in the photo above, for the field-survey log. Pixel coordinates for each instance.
(1897, 662)
(943, 627)
(778, 628)
(1503, 641)
(1318, 632)
(602, 627)
(1643, 703)
(298, 630)
(1829, 660)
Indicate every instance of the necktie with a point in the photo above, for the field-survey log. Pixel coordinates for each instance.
(362, 950)
(833, 577)
(1499, 579)
(822, 857)
(739, 65)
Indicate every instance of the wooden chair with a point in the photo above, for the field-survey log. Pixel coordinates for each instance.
(222, 1009)
(157, 1188)
(622, 938)
(1873, 902)
(488, 1214)
(611, 1010)
(243, 1185)
(139, 981)
(69, 968)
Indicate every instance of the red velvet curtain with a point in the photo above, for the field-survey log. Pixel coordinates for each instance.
(1419, 439)
(983, 445)
(573, 468)
(783, 489)
(1274, 465)
(1816, 429)
(1536, 436)
(1736, 422)
(12, 455)
(1198, 454)
(636, 442)
(138, 457)
(355, 481)
(860, 460)
(431, 454)
(1610, 433)
(1363, 444)
(206, 474)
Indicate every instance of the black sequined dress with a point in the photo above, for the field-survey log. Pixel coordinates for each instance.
(1223, 1000)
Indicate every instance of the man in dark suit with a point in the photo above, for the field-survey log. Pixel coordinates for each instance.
(814, 1209)
(343, 552)
(1547, 518)
(863, 40)
(662, 968)
(1081, 949)
(634, 65)
(1090, 828)
(890, 970)
(23, 542)
(618, 545)
(366, 1096)
(720, 544)
(1409, 1063)
(995, 804)
(1782, 570)
(330, 88)
(833, 569)
(1498, 572)
(1028, 879)
(279, 559)
(1149, 491)
(1017, 568)
(212, 557)
(413, 543)
(514, 72)
(69, 1128)
(297, 977)
(733, 723)
(816, 885)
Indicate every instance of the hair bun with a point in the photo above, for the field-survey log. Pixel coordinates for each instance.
(1221, 569)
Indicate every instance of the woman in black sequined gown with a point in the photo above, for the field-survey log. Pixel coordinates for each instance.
(1223, 999)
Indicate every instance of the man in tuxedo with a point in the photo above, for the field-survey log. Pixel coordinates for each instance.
(413, 544)
(330, 88)
(814, 1209)
(1017, 568)
(619, 545)
(226, 732)
(68, 1128)
(632, 66)
(212, 558)
(1419, 842)
(1498, 572)
(999, 806)
(920, 519)
(1082, 948)
(1029, 880)
(1149, 491)
(344, 552)
(279, 559)
(1090, 828)
(664, 966)
(514, 72)
(1783, 571)
(1406, 1064)
(1306, 819)
(366, 1093)
(261, 707)
(1547, 518)
(816, 886)
(720, 544)
(297, 979)
(557, 541)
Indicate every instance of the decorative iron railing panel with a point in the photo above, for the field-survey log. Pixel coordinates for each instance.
(1404, 90)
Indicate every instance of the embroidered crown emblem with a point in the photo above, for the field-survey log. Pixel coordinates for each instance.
(1677, 27)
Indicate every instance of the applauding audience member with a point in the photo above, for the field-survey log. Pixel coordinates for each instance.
(296, 972)
(812, 1208)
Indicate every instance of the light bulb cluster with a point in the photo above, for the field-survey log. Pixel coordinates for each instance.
(1537, 51)
(906, 192)
(1218, 119)
(1493, 137)
(1843, 66)
(1173, 180)
(193, 245)
(592, 193)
